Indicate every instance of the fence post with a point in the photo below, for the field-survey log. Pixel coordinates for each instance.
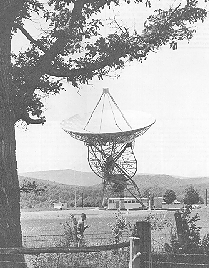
(140, 245)
(179, 228)
(182, 227)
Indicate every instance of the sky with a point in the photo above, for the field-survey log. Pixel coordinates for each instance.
(172, 86)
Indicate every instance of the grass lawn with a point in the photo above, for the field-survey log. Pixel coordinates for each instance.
(41, 223)
(50, 223)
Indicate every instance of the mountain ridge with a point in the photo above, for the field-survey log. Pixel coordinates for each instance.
(65, 176)
(90, 186)
(83, 178)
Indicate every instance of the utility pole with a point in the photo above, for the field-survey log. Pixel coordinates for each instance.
(206, 197)
(75, 199)
(149, 202)
(82, 200)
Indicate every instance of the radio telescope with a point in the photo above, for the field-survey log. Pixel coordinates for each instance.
(109, 136)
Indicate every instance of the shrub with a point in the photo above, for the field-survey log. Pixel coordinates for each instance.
(70, 232)
(187, 240)
(191, 196)
(169, 196)
(104, 259)
(120, 228)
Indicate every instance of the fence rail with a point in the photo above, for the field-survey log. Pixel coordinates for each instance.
(55, 257)
(156, 264)
(35, 251)
(136, 256)
(50, 240)
(135, 253)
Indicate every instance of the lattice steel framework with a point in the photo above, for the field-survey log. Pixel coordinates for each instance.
(110, 155)
(116, 165)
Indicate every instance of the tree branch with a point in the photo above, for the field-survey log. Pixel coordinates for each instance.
(152, 37)
(33, 74)
(72, 73)
(90, 67)
(30, 38)
(44, 63)
(25, 117)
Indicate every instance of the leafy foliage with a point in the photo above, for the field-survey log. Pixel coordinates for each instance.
(205, 243)
(188, 238)
(92, 194)
(169, 196)
(158, 222)
(70, 233)
(191, 196)
(54, 192)
(75, 48)
(28, 187)
(120, 227)
(101, 259)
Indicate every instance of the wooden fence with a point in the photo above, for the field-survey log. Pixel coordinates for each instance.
(140, 242)
(50, 240)
(139, 253)
(8, 259)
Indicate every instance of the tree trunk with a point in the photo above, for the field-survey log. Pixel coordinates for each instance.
(10, 230)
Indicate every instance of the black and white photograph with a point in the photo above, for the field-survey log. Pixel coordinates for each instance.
(104, 134)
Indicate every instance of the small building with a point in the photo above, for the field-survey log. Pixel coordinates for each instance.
(123, 203)
(128, 203)
(60, 205)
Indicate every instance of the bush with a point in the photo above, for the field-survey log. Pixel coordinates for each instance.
(169, 196)
(187, 240)
(121, 227)
(104, 259)
(70, 232)
(191, 196)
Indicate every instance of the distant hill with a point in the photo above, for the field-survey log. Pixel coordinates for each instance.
(79, 178)
(197, 180)
(66, 176)
(167, 181)
(62, 184)
(57, 192)
(156, 180)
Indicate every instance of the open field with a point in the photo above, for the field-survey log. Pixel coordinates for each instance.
(50, 223)
(45, 228)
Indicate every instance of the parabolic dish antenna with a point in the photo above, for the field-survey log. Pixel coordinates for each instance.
(109, 135)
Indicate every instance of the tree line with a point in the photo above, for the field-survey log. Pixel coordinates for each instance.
(43, 195)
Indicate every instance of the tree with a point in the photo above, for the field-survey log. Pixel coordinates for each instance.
(31, 187)
(169, 196)
(73, 48)
(191, 196)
